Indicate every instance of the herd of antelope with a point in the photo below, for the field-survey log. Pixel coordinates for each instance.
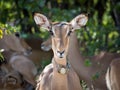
(23, 57)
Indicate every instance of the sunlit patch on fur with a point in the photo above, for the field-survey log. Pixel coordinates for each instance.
(108, 80)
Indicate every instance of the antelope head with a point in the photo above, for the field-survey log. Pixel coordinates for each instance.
(60, 32)
(13, 42)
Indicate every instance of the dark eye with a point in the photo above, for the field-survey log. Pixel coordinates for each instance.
(51, 32)
(69, 33)
(17, 34)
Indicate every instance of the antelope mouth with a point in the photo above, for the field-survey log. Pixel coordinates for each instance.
(60, 56)
(45, 48)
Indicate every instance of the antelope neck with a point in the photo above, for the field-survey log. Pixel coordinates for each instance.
(61, 68)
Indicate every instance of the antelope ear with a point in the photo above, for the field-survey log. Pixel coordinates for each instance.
(42, 21)
(79, 21)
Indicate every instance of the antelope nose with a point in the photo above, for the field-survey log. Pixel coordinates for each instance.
(61, 54)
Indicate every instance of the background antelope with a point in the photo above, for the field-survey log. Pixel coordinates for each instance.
(38, 56)
(14, 49)
(59, 75)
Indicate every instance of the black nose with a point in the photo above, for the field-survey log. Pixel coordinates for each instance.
(60, 52)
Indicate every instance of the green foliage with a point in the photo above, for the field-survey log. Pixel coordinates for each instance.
(63, 15)
(96, 76)
(100, 33)
(97, 37)
(87, 63)
(1, 34)
(8, 29)
(83, 84)
(1, 56)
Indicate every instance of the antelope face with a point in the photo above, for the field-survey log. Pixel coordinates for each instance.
(60, 35)
(60, 32)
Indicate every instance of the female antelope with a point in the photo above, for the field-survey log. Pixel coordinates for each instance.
(59, 75)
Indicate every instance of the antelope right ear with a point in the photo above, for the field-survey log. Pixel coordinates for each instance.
(42, 21)
(79, 21)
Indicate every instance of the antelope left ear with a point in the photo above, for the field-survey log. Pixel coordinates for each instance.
(42, 21)
(79, 21)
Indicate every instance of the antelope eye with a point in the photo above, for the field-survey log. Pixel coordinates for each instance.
(69, 33)
(51, 32)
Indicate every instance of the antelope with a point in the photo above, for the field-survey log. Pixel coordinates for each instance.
(38, 55)
(14, 51)
(93, 75)
(112, 75)
(59, 74)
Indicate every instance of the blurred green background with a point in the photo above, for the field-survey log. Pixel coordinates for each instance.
(102, 32)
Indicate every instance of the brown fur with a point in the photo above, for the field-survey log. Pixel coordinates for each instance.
(14, 48)
(12, 80)
(25, 67)
(10, 42)
(52, 80)
(21, 64)
(38, 56)
(112, 75)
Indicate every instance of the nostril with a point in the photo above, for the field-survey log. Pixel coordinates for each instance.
(60, 52)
